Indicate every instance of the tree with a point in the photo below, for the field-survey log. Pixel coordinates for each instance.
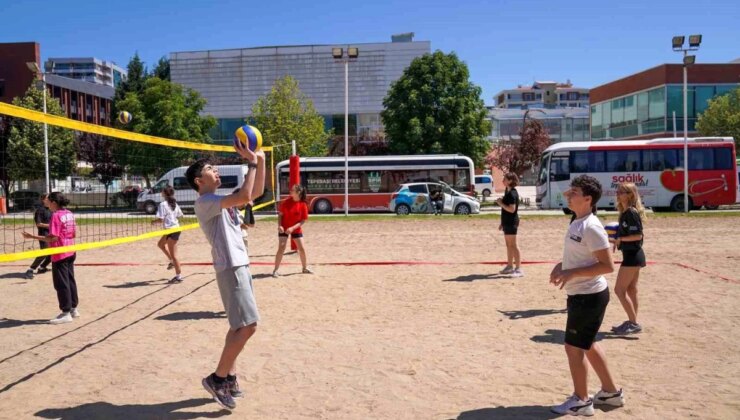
(285, 114)
(134, 82)
(99, 152)
(722, 117)
(162, 109)
(24, 157)
(520, 155)
(163, 69)
(434, 108)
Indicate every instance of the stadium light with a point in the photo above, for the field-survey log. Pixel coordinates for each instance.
(694, 41)
(352, 54)
(678, 42)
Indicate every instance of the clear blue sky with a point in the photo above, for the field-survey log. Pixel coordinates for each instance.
(504, 43)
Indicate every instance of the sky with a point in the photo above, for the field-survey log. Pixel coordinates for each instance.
(504, 43)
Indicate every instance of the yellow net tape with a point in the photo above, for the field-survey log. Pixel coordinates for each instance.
(40, 117)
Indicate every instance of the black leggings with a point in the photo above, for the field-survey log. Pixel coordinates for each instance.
(63, 273)
(43, 260)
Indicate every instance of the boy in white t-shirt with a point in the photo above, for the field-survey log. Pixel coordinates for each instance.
(586, 258)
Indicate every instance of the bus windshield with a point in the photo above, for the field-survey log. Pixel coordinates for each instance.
(544, 164)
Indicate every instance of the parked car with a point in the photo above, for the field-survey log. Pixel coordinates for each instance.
(24, 200)
(414, 198)
(484, 185)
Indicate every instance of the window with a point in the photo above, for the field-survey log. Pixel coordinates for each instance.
(701, 159)
(675, 101)
(703, 95)
(419, 188)
(559, 168)
(623, 160)
(656, 101)
(528, 96)
(659, 159)
(180, 183)
(584, 161)
(230, 181)
(723, 158)
(572, 96)
(159, 186)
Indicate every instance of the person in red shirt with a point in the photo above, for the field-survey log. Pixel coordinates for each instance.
(292, 214)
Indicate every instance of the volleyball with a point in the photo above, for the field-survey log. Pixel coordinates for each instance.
(611, 230)
(249, 136)
(124, 117)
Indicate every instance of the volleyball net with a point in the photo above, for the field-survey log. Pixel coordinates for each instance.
(113, 179)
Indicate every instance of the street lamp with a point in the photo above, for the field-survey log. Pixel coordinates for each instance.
(35, 69)
(524, 119)
(694, 42)
(338, 54)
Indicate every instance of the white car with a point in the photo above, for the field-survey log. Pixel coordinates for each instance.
(414, 198)
(484, 185)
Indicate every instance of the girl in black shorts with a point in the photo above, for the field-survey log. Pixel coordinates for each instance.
(510, 225)
(629, 241)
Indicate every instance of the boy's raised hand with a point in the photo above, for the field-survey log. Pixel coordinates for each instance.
(244, 152)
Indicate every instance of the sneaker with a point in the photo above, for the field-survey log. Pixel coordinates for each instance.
(63, 318)
(234, 389)
(615, 399)
(219, 392)
(628, 328)
(517, 273)
(620, 326)
(275, 274)
(507, 270)
(176, 279)
(575, 407)
(307, 271)
(29, 274)
(75, 313)
(42, 270)
(170, 266)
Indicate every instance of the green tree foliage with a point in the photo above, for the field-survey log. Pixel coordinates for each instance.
(24, 157)
(722, 117)
(163, 69)
(286, 114)
(434, 108)
(162, 109)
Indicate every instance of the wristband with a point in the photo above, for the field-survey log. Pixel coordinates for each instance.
(251, 165)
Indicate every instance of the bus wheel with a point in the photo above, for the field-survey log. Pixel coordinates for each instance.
(677, 204)
(403, 209)
(463, 209)
(322, 207)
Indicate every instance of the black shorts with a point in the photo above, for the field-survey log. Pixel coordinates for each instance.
(633, 258)
(585, 315)
(510, 229)
(174, 236)
(292, 235)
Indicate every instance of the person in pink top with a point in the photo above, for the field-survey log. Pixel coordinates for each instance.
(62, 231)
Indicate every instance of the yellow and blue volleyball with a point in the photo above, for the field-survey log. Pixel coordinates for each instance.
(249, 136)
(125, 117)
(611, 230)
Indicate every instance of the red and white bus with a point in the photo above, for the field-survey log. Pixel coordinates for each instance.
(372, 179)
(655, 166)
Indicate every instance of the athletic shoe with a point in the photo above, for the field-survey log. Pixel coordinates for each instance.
(29, 274)
(42, 270)
(275, 274)
(307, 271)
(219, 392)
(507, 270)
(620, 326)
(176, 279)
(629, 328)
(574, 406)
(234, 388)
(170, 266)
(615, 399)
(63, 318)
(517, 273)
(75, 313)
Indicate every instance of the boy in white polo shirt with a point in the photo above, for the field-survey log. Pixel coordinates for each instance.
(586, 258)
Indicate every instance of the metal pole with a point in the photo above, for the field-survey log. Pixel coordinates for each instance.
(346, 136)
(685, 141)
(674, 125)
(46, 140)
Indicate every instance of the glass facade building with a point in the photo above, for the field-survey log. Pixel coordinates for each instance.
(570, 124)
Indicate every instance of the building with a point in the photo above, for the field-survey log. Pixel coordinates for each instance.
(232, 80)
(641, 106)
(82, 101)
(88, 69)
(548, 95)
(15, 78)
(564, 124)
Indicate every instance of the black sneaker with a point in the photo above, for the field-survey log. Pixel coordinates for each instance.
(42, 270)
(234, 388)
(220, 392)
(29, 274)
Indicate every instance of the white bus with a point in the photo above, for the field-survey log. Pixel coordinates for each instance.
(655, 166)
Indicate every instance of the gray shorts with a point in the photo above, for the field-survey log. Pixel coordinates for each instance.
(237, 294)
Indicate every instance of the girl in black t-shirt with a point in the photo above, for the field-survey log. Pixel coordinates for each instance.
(629, 241)
(510, 225)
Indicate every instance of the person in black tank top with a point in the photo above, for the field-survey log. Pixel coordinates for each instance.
(629, 241)
(510, 225)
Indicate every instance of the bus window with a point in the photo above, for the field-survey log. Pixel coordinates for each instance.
(623, 161)
(579, 161)
(559, 168)
(723, 158)
(701, 159)
(544, 164)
